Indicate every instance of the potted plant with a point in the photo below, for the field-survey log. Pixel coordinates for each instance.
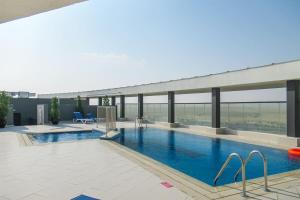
(78, 107)
(54, 111)
(4, 108)
(105, 101)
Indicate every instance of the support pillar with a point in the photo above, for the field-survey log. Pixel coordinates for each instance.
(122, 106)
(140, 106)
(99, 101)
(113, 101)
(171, 107)
(215, 104)
(293, 120)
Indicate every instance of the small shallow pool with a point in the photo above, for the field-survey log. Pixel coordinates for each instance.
(202, 157)
(66, 136)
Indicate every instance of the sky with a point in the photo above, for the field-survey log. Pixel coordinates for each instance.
(101, 44)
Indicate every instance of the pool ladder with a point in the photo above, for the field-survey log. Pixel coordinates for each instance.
(139, 123)
(243, 168)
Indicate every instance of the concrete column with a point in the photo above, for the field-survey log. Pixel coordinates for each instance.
(99, 101)
(122, 106)
(293, 120)
(113, 101)
(140, 106)
(215, 104)
(171, 107)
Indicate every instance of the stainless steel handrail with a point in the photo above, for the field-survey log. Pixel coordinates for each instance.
(251, 154)
(140, 122)
(242, 167)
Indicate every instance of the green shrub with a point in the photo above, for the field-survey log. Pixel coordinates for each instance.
(4, 108)
(54, 111)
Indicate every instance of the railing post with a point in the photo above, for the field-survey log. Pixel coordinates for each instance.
(99, 101)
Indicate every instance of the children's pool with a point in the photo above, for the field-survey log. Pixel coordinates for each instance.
(66, 136)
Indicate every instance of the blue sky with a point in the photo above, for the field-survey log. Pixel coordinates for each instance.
(109, 43)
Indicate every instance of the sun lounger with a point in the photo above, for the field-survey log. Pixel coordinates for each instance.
(91, 116)
(79, 118)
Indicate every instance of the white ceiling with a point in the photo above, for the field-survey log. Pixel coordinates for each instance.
(15, 9)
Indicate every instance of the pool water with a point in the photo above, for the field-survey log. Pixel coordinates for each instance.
(66, 136)
(202, 157)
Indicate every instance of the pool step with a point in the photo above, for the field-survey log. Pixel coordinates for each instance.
(110, 135)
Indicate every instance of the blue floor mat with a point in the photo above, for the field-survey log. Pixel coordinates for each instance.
(84, 197)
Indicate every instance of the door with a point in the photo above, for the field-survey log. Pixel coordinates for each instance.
(40, 115)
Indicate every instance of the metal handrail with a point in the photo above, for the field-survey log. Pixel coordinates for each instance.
(251, 154)
(242, 168)
(140, 122)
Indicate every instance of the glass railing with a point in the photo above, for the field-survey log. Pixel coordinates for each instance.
(131, 111)
(118, 110)
(156, 112)
(193, 114)
(267, 117)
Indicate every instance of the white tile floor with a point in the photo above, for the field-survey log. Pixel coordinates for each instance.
(65, 170)
(61, 171)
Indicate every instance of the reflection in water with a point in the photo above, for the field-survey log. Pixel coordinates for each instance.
(293, 158)
(79, 135)
(122, 135)
(171, 144)
(171, 140)
(216, 149)
(55, 137)
(140, 138)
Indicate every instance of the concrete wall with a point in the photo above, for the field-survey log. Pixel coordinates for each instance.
(28, 109)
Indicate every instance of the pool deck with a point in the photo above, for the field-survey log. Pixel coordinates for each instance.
(106, 170)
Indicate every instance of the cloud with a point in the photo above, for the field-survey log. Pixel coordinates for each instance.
(112, 59)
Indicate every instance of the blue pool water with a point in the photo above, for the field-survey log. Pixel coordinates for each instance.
(66, 136)
(202, 157)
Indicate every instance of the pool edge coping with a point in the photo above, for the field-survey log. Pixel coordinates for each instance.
(195, 186)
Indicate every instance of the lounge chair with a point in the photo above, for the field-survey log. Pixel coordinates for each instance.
(91, 116)
(79, 118)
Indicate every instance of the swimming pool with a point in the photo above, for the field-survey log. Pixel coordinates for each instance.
(202, 157)
(66, 136)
